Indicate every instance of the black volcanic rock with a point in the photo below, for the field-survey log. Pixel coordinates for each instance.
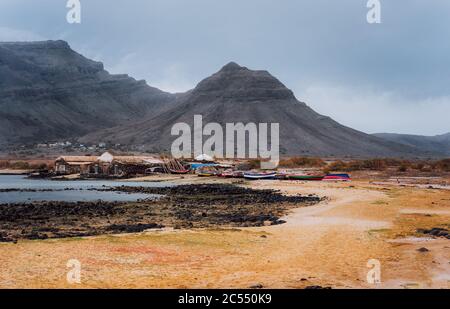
(49, 92)
(237, 94)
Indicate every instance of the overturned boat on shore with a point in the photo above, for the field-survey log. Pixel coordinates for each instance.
(259, 176)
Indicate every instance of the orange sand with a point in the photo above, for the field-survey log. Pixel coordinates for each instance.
(329, 245)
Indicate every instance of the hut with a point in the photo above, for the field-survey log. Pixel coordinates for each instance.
(133, 165)
(120, 166)
(67, 165)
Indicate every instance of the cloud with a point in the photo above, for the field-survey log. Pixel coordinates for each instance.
(375, 111)
(17, 35)
(168, 77)
(127, 63)
(173, 79)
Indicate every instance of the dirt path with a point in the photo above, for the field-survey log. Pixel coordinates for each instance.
(327, 245)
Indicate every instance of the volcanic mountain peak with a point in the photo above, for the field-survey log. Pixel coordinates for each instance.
(233, 66)
(243, 85)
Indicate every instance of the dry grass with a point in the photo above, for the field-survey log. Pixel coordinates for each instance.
(26, 164)
(302, 162)
(384, 164)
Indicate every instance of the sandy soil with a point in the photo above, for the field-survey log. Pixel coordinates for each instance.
(328, 245)
(14, 172)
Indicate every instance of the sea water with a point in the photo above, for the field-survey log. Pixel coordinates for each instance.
(79, 190)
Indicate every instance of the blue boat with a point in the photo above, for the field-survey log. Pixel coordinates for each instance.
(258, 176)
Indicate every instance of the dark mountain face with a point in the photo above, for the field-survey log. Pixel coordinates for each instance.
(237, 94)
(437, 144)
(49, 92)
(241, 85)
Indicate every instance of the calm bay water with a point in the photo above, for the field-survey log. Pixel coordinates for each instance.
(79, 190)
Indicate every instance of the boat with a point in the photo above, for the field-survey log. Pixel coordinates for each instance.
(179, 172)
(238, 174)
(227, 174)
(232, 174)
(306, 177)
(337, 177)
(206, 174)
(281, 176)
(344, 175)
(258, 176)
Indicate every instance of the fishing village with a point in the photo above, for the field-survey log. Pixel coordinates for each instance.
(167, 217)
(110, 166)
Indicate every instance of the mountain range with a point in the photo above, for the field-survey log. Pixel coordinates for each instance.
(49, 92)
(437, 144)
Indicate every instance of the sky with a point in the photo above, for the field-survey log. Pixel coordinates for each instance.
(388, 77)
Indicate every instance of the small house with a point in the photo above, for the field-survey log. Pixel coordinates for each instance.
(111, 165)
(67, 165)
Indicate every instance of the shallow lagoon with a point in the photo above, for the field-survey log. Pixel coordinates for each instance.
(78, 190)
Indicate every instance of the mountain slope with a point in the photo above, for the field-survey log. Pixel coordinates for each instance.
(438, 143)
(49, 92)
(237, 94)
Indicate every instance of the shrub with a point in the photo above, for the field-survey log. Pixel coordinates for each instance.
(443, 165)
(249, 165)
(403, 168)
(418, 166)
(4, 164)
(20, 165)
(26, 165)
(336, 167)
(302, 162)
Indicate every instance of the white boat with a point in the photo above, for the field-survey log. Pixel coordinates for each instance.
(257, 176)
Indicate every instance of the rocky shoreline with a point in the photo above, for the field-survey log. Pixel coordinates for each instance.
(189, 206)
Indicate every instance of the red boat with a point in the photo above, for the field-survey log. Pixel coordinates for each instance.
(228, 174)
(179, 172)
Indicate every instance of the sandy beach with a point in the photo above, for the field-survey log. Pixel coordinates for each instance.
(326, 245)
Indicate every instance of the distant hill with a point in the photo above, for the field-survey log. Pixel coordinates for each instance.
(436, 144)
(49, 92)
(238, 94)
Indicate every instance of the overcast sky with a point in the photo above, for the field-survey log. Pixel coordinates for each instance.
(388, 77)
